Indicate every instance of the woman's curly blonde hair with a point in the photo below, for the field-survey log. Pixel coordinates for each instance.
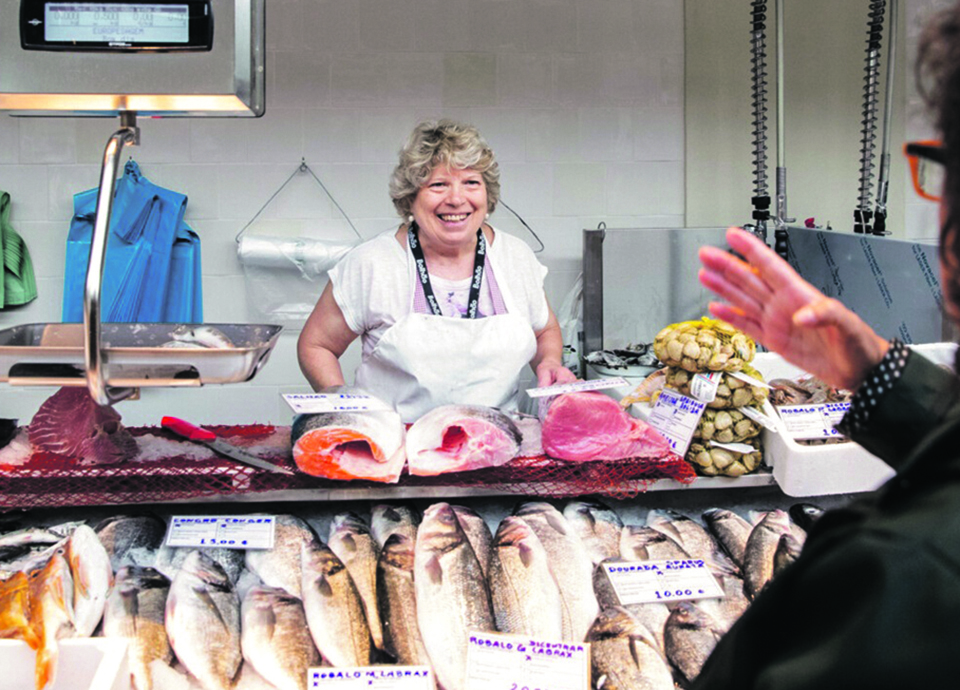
(442, 142)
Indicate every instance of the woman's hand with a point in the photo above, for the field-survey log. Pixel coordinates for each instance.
(550, 372)
(771, 303)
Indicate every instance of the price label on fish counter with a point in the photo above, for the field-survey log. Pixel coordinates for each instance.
(222, 531)
(642, 582)
(317, 403)
(514, 662)
(676, 416)
(372, 678)
(806, 422)
(576, 387)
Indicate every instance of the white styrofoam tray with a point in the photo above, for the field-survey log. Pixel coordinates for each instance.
(94, 663)
(803, 470)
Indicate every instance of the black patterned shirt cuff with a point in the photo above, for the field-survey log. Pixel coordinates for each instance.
(878, 383)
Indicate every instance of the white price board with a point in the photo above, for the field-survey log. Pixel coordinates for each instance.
(514, 662)
(641, 582)
(805, 422)
(576, 387)
(676, 416)
(222, 531)
(317, 403)
(372, 678)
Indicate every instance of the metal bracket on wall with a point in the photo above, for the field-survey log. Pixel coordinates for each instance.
(591, 338)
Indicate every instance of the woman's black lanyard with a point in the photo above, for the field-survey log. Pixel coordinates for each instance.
(474, 298)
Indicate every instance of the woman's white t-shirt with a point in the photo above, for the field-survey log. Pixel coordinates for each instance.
(372, 285)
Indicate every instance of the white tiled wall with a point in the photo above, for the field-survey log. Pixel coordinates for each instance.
(582, 100)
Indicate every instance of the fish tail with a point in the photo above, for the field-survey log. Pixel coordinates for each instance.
(46, 668)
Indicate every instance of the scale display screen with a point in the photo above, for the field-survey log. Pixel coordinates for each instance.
(116, 26)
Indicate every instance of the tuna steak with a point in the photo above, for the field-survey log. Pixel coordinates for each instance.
(458, 438)
(350, 445)
(591, 426)
(70, 423)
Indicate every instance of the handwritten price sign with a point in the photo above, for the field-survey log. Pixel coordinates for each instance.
(641, 582)
(513, 662)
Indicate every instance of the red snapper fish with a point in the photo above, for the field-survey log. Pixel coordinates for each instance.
(458, 438)
(588, 425)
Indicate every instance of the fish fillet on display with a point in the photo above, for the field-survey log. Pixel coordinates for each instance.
(459, 438)
(69, 422)
(587, 425)
(350, 445)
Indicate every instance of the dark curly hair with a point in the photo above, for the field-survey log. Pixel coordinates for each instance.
(938, 81)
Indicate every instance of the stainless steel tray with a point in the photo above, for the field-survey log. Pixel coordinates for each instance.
(53, 354)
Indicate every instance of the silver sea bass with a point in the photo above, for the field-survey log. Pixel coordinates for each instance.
(397, 597)
(387, 519)
(351, 540)
(526, 599)
(478, 534)
(333, 607)
(92, 578)
(569, 563)
(275, 638)
(203, 622)
(598, 527)
(135, 612)
(452, 596)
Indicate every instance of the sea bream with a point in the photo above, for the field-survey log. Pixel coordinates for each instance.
(623, 654)
(203, 622)
(51, 613)
(280, 566)
(350, 445)
(275, 638)
(135, 611)
(459, 438)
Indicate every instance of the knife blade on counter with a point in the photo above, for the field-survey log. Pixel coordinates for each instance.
(199, 435)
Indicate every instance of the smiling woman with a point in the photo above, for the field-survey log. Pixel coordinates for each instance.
(449, 309)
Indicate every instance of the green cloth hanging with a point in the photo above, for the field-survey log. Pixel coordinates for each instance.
(19, 285)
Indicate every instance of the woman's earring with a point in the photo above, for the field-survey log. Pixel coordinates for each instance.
(410, 218)
(488, 216)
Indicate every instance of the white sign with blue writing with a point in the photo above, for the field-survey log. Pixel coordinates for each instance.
(222, 531)
(515, 662)
(805, 422)
(372, 678)
(577, 387)
(676, 416)
(318, 403)
(641, 582)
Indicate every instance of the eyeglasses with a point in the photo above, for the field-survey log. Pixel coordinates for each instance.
(927, 160)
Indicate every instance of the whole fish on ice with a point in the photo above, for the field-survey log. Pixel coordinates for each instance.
(459, 438)
(351, 540)
(51, 614)
(92, 578)
(275, 637)
(135, 612)
(280, 566)
(387, 519)
(624, 655)
(349, 445)
(397, 598)
(203, 622)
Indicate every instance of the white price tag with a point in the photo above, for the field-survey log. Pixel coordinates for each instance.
(735, 447)
(805, 422)
(749, 380)
(675, 416)
(640, 582)
(759, 417)
(372, 678)
(514, 662)
(703, 386)
(576, 387)
(222, 531)
(316, 403)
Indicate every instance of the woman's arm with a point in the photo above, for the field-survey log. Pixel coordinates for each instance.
(324, 338)
(770, 302)
(548, 362)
